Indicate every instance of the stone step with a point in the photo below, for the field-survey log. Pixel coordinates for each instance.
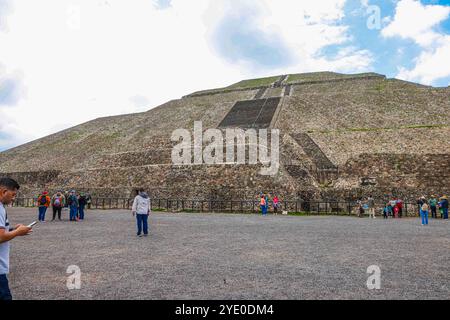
(260, 93)
(314, 152)
(251, 114)
(287, 91)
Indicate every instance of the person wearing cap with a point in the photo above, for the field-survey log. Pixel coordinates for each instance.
(43, 204)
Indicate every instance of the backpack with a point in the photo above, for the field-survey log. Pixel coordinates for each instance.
(57, 202)
(43, 200)
(72, 200)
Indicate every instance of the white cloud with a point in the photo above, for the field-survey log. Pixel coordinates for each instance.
(416, 21)
(419, 22)
(91, 58)
(120, 50)
(306, 28)
(431, 64)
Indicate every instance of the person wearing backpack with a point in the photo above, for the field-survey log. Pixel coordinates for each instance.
(73, 204)
(58, 202)
(43, 204)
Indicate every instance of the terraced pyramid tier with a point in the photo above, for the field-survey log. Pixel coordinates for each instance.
(336, 133)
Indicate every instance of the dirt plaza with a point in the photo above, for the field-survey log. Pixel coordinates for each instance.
(224, 256)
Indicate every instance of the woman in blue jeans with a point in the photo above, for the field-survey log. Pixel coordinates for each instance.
(424, 213)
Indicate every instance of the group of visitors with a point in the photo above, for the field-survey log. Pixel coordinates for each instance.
(73, 201)
(265, 203)
(393, 209)
(433, 204)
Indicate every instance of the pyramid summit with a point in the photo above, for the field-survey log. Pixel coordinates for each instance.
(341, 136)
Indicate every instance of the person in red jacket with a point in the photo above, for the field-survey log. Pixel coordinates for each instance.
(43, 203)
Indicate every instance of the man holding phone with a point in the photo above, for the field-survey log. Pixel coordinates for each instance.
(8, 191)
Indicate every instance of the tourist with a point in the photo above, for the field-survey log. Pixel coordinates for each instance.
(390, 209)
(89, 201)
(393, 203)
(73, 205)
(141, 208)
(387, 211)
(81, 205)
(58, 202)
(359, 208)
(420, 203)
(441, 209)
(263, 205)
(8, 191)
(400, 207)
(433, 206)
(396, 212)
(371, 207)
(43, 204)
(424, 213)
(66, 198)
(276, 203)
(444, 204)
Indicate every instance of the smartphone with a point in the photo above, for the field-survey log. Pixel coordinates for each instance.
(32, 224)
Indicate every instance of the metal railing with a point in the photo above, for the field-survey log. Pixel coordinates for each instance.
(232, 206)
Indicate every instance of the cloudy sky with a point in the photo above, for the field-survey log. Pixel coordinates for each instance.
(64, 62)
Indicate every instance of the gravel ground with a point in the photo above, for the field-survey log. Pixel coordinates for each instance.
(195, 256)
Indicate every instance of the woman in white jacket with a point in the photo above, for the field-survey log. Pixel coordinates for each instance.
(141, 208)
